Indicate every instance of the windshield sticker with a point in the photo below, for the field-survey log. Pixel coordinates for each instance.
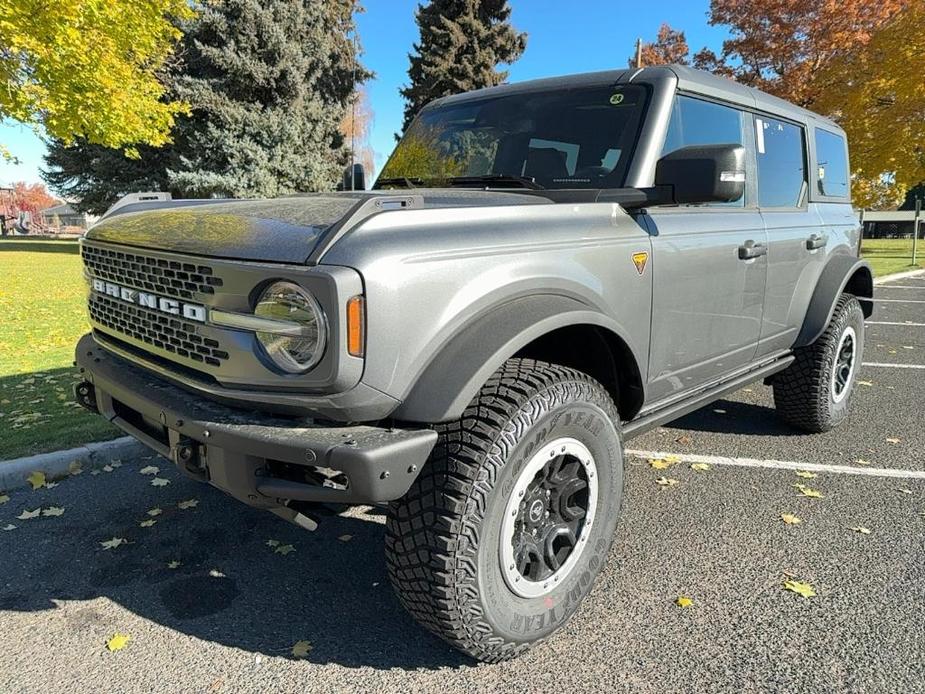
(617, 99)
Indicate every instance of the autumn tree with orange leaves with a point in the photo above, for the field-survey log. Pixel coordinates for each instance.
(670, 47)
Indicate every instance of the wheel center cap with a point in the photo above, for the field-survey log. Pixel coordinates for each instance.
(536, 511)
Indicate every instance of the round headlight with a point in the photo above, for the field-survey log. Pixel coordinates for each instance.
(297, 347)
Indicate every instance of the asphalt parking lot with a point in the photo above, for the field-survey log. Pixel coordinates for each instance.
(226, 616)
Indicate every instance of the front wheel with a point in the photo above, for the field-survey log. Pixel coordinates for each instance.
(813, 393)
(503, 533)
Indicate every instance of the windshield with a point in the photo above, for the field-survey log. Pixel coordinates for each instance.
(568, 138)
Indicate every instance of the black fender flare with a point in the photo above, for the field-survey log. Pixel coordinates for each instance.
(469, 357)
(840, 273)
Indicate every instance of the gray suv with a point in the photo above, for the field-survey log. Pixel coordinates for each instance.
(542, 271)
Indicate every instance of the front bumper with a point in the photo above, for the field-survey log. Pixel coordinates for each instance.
(264, 460)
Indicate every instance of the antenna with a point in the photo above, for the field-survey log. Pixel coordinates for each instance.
(638, 53)
(353, 114)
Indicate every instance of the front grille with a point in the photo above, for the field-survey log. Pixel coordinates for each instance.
(170, 334)
(168, 277)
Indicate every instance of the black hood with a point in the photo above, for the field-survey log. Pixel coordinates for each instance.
(282, 230)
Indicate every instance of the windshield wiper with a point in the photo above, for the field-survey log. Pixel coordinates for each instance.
(503, 179)
(398, 181)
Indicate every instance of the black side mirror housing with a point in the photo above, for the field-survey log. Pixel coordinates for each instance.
(702, 173)
(354, 178)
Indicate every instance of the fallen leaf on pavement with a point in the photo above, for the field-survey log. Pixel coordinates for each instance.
(26, 515)
(800, 588)
(301, 649)
(345, 538)
(806, 474)
(173, 564)
(684, 440)
(159, 482)
(859, 461)
(149, 470)
(700, 467)
(790, 519)
(117, 642)
(893, 440)
(75, 468)
(51, 485)
(108, 468)
(4, 498)
(272, 543)
(36, 479)
(147, 523)
(115, 463)
(189, 503)
(718, 411)
(215, 573)
(811, 493)
(155, 512)
(861, 529)
(284, 549)
(661, 463)
(683, 601)
(904, 491)
(864, 383)
(113, 543)
(53, 511)
(666, 482)
(9, 526)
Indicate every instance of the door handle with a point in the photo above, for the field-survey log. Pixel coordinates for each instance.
(750, 250)
(815, 241)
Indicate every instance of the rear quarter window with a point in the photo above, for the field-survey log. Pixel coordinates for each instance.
(831, 164)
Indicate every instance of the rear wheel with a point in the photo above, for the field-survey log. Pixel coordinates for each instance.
(813, 393)
(501, 536)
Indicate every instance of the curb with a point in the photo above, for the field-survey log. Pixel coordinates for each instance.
(13, 473)
(899, 276)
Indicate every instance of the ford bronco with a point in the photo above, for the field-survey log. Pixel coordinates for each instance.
(542, 271)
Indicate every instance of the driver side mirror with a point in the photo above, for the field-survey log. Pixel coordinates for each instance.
(702, 173)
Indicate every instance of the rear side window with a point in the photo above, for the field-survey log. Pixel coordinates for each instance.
(696, 122)
(832, 162)
(781, 163)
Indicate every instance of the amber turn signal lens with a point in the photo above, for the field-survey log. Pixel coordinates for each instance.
(356, 326)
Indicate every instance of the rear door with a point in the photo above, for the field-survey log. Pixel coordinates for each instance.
(709, 264)
(796, 236)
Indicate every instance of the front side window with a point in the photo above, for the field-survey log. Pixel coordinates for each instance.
(568, 138)
(781, 163)
(697, 122)
(832, 164)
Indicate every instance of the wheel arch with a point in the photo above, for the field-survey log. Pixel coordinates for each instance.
(843, 273)
(552, 328)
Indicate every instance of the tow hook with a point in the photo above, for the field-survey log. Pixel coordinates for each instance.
(85, 395)
(186, 456)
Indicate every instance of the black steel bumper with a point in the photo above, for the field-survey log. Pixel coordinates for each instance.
(264, 460)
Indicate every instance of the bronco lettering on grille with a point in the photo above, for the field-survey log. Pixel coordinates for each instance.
(153, 301)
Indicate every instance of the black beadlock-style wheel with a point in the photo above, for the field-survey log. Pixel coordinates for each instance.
(813, 393)
(501, 536)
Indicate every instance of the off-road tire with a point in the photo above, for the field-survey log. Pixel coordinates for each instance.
(803, 393)
(443, 537)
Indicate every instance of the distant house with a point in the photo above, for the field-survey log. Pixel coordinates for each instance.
(896, 224)
(64, 215)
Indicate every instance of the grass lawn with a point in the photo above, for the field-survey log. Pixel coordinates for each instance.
(42, 313)
(887, 256)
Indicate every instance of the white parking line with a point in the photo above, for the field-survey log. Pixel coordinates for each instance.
(886, 322)
(898, 301)
(783, 465)
(892, 366)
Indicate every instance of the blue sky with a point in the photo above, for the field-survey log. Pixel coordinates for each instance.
(563, 38)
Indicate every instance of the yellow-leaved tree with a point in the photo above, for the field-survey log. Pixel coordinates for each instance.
(878, 96)
(89, 68)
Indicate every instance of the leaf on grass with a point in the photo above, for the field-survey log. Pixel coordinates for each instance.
(4, 498)
(666, 482)
(75, 468)
(790, 519)
(147, 523)
(174, 564)
(683, 601)
(26, 515)
(113, 543)
(36, 479)
(159, 482)
(117, 642)
(154, 512)
(272, 543)
(800, 588)
(861, 529)
(9, 526)
(806, 474)
(700, 467)
(301, 649)
(189, 503)
(149, 470)
(345, 538)
(284, 549)
(53, 511)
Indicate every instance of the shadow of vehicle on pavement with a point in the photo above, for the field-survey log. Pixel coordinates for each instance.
(735, 418)
(230, 587)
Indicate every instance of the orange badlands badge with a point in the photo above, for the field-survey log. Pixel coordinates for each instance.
(640, 260)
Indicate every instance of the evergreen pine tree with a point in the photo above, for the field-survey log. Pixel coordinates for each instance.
(462, 42)
(268, 83)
